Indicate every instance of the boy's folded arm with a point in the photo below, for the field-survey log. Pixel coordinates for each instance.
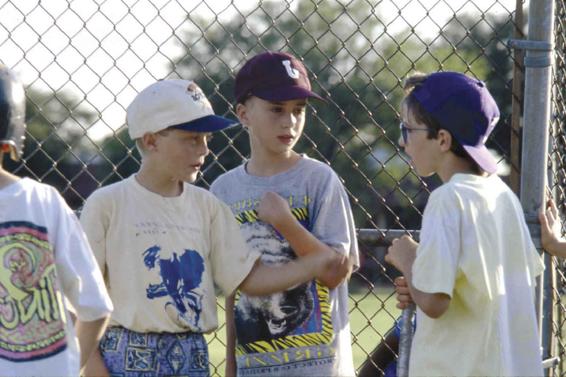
(304, 243)
(274, 210)
(263, 279)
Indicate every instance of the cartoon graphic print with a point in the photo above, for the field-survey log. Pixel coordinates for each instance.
(180, 280)
(296, 317)
(31, 320)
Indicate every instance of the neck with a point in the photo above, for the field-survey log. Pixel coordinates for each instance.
(453, 164)
(266, 166)
(155, 182)
(7, 178)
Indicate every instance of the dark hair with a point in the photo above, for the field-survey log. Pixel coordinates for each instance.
(422, 116)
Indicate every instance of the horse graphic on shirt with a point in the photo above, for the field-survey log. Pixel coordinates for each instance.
(180, 278)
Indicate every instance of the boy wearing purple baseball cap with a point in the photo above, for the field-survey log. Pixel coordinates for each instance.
(164, 244)
(289, 206)
(472, 276)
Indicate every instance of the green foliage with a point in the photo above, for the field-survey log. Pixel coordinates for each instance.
(53, 145)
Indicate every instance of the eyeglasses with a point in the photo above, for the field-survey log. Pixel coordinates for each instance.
(405, 131)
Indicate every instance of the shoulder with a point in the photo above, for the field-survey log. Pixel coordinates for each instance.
(202, 197)
(110, 191)
(447, 196)
(226, 180)
(40, 191)
(317, 169)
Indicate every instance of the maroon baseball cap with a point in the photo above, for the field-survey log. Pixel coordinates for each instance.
(273, 76)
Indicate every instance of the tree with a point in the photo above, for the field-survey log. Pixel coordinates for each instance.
(353, 62)
(54, 147)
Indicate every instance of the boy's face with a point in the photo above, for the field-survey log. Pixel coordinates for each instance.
(274, 127)
(180, 154)
(424, 152)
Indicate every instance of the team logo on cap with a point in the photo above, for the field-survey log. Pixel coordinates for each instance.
(198, 96)
(195, 92)
(292, 72)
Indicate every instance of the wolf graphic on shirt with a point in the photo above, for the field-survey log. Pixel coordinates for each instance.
(181, 276)
(280, 320)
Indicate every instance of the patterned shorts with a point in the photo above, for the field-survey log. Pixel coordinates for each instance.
(129, 353)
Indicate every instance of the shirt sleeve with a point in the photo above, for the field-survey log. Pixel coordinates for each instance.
(80, 276)
(334, 221)
(232, 260)
(436, 265)
(94, 221)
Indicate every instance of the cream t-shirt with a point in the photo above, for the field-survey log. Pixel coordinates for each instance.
(161, 257)
(476, 248)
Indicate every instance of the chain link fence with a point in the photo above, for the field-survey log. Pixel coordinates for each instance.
(83, 62)
(557, 178)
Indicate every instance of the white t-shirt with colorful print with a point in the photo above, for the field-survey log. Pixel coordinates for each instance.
(303, 331)
(45, 264)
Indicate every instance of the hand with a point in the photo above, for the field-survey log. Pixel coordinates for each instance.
(402, 253)
(403, 295)
(550, 227)
(273, 208)
(330, 263)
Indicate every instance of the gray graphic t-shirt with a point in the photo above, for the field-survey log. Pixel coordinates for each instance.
(303, 330)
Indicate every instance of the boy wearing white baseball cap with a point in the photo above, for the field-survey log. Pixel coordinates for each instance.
(162, 243)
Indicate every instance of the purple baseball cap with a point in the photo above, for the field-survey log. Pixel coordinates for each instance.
(273, 76)
(463, 106)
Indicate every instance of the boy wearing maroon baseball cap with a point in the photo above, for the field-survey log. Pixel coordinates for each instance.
(288, 206)
(472, 276)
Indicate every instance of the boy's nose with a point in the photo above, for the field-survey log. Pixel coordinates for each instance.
(203, 149)
(289, 120)
(401, 141)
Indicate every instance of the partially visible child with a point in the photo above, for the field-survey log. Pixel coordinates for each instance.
(551, 232)
(45, 264)
(163, 243)
(288, 206)
(382, 361)
(472, 276)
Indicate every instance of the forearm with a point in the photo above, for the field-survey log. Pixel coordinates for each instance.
(557, 248)
(263, 280)
(89, 334)
(304, 243)
(433, 305)
(95, 366)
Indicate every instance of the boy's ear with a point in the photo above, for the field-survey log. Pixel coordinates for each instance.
(149, 141)
(444, 140)
(241, 113)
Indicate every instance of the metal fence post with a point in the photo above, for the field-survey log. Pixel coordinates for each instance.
(538, 67)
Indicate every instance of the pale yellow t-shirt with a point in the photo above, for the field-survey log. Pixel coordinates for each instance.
(161, 257)
(475, 247)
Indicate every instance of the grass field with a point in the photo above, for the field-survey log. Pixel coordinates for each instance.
(371, 315)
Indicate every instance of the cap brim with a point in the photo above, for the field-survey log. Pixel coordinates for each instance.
(285, 94)
(483, 157)
(209, 123)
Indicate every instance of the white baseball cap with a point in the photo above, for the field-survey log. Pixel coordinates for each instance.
(172, 103)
